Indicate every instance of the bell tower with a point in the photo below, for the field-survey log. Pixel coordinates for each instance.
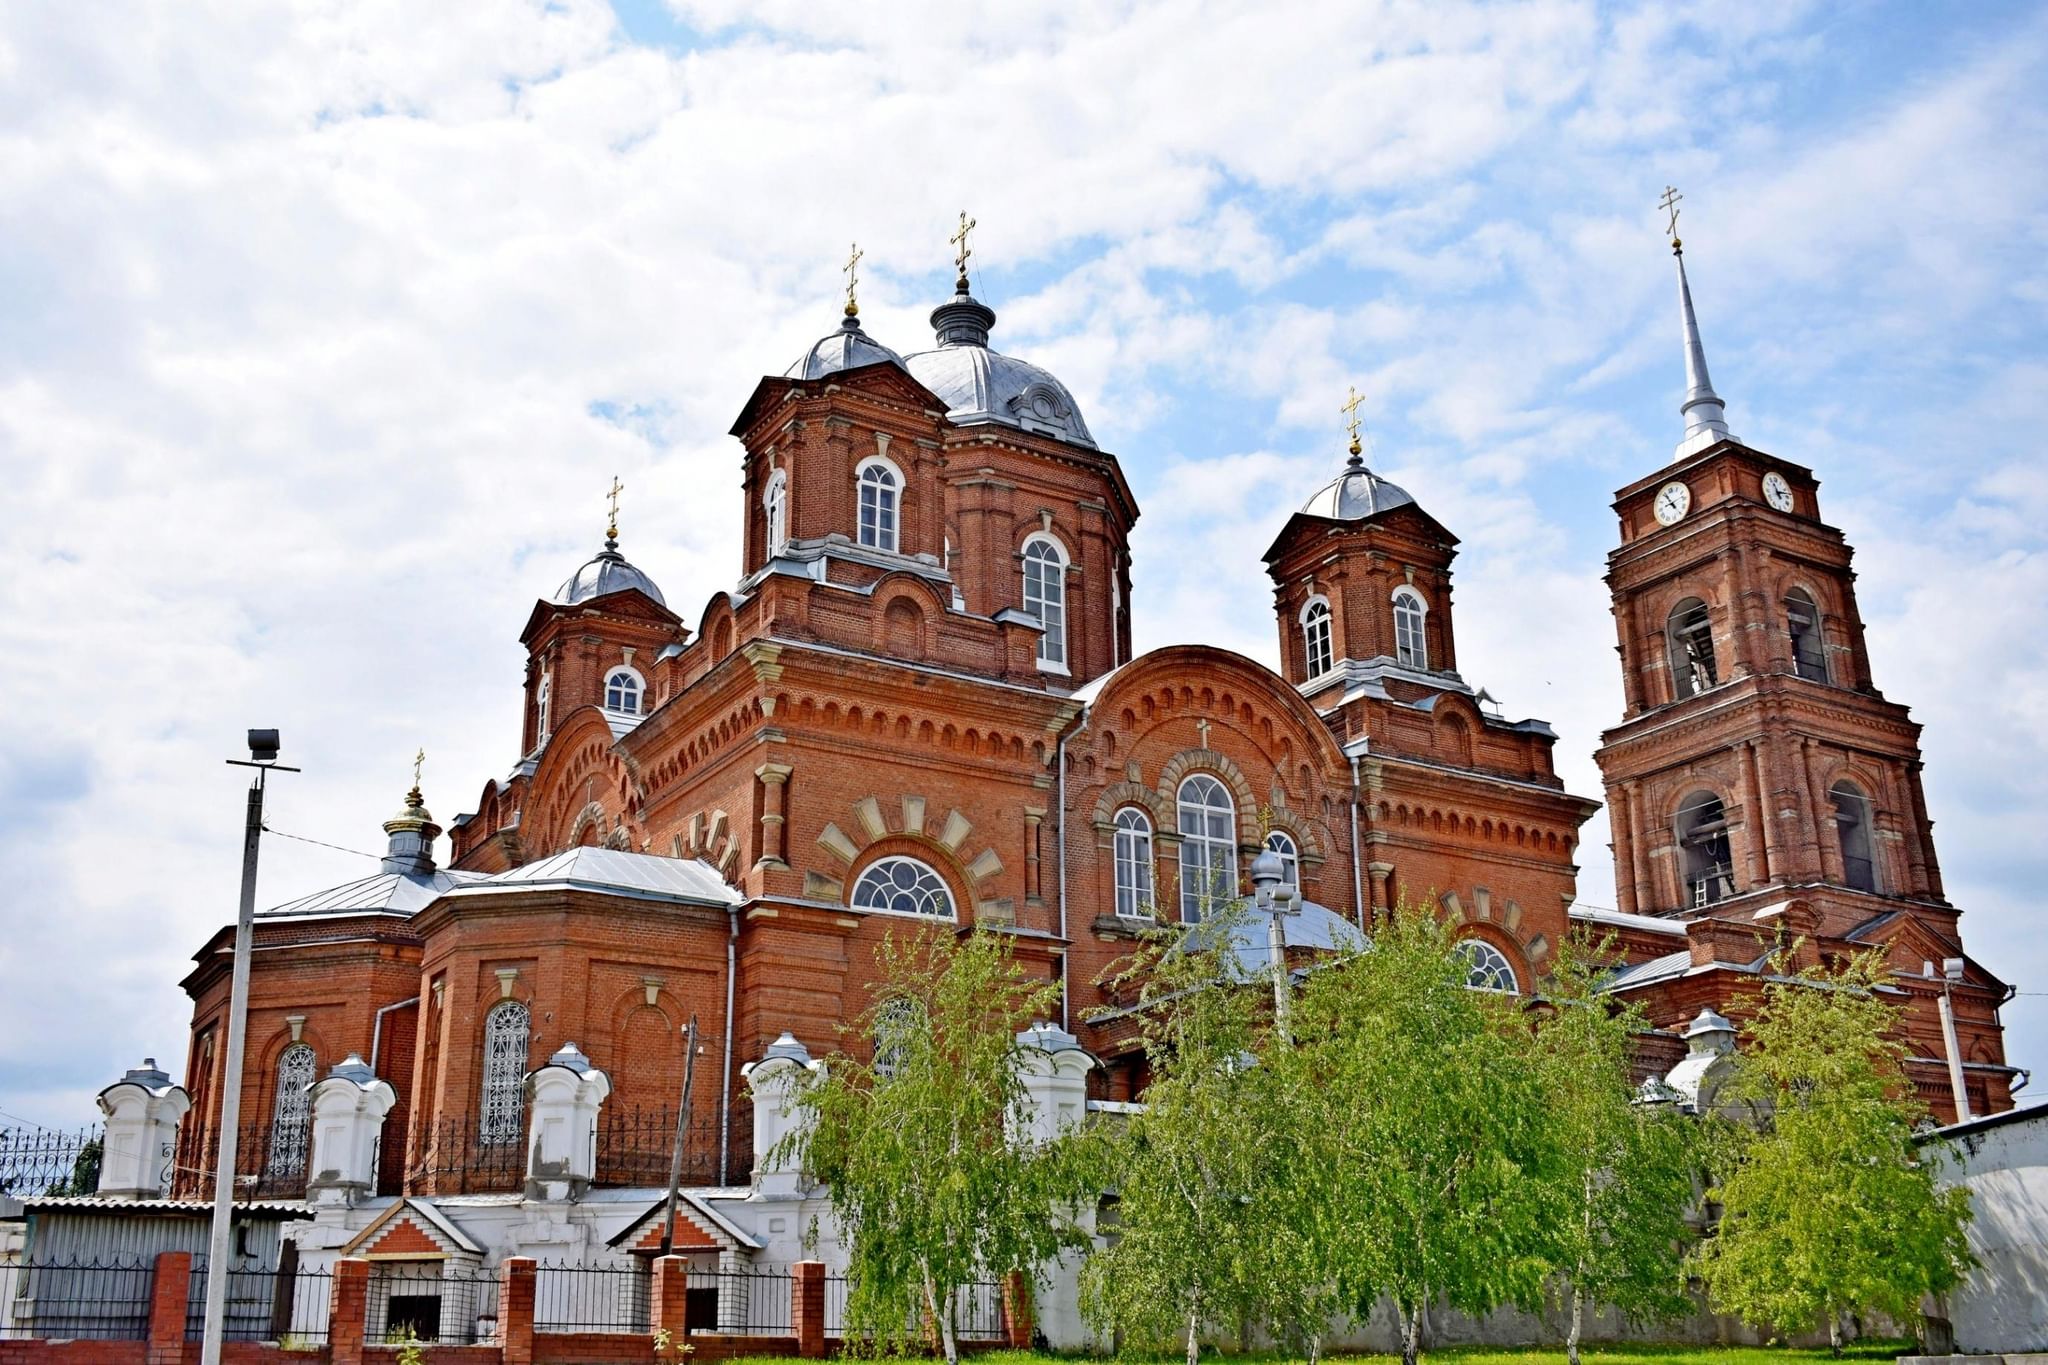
(1757, 764)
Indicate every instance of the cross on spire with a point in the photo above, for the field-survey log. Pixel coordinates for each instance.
(611, 530)
(959, 239)
(852, 280)
(1669, 203)
(419, 761)
(1350, 410)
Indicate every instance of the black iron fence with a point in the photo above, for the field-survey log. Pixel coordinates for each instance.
(593, 1298)
(635, 1147)
(431, 1301)
(270, 1162)
(46, 1161)
(76, 1300)
(755, 1302)
(455, 1156)
(289, 1305)
(977, 1310)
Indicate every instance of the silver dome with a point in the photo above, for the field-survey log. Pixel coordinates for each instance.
(607, 573)
(849, 348)
(981, 385)
(1356, 494)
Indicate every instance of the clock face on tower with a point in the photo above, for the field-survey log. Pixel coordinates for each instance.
(1777, 492)
(1673, 500)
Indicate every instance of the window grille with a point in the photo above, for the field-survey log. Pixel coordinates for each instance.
(903, 886)
(506, 1029)
(1045, 596)
(1411, 645)
(291, 1114)
(878, 501)
(1133, 863)
(1208, 845)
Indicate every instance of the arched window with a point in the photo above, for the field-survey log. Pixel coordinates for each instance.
(1133, 863)
(1282, 843)
(903, 886)
(622, 692)
(291, 1115)
(1703, 841)
(1689, 636)
(503, 1118)
(775, 503)
(1852, 827)
(1802, 623)
(540, 710)
(896, 1035)
(1487, 969)
(1208, 846)
(1411, 646)
(1045, 596)
(880, 488)
(1315, 636)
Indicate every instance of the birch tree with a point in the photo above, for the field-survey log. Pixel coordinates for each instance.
(929, 1191)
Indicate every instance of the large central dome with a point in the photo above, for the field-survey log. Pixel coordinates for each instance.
(981, 385)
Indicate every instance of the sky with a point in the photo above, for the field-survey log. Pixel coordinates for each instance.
(324, 328)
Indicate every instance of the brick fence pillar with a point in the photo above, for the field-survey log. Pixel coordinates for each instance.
(515, 1310)
(807, 1308)
(669, 1311)
(1017, 1311)
(170, 1290)
(348, 1306)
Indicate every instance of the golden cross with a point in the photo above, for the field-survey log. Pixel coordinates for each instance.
(612, 526)
(852, 280)
(959, 239)
(1669, 203)
(419, 761)
(1350, 410)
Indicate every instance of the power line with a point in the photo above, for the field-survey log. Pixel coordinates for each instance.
(321, 843)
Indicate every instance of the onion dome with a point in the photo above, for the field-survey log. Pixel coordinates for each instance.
(412, 832)
(606, 572)
(1356, 494)
(982, 385)
(847, 347)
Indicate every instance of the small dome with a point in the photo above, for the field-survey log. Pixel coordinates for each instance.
(1356, 494)
(848, 348)
(607, 573)
(981, 385)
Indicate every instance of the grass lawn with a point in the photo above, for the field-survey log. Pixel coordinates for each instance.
(1480, 1355)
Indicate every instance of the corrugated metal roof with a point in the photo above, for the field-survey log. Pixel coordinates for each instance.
(1671, 964)
(1622, 919)
(191, 1208)
(393, 893)
(615, 871)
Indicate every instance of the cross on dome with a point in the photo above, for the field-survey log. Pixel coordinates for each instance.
(611, 531)
(959, 239)
(851, 269)
(1350, 410)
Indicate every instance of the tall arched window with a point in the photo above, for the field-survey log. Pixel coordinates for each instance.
(898, 1026)
(1852, 828)
(1703, 842)
(1802, 623)
(1133, 863)
(503, 1117)
(1045, 596)
(903, 886)
(540, 710)
(880, 489)
(1411, 645)
(1689, 635)
(775, 503)
(1315, 636)
(1208, 846)
(291, 1114)
(1487, 967)
(1282, 843)
(622, 692)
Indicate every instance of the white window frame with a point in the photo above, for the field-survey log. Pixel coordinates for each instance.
(892, 522)
(541, 697)
(775, 507)
(1316, 613)
(1208, 844)
(1411, 627)
(1052, 640)
(1282, 843)
(1487, 967)
(639, 690)
(501, 1098)
(1132, 856)
(923, 870)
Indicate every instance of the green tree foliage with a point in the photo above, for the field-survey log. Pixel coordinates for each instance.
(927, 1187)
(1624, 1172)
(1199, 1245)
(1827, 1208)
(1420, 1109)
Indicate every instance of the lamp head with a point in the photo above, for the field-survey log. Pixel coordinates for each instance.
(263, 746)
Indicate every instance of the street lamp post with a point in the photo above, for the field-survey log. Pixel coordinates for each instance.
(263, 758)
(1268, 872)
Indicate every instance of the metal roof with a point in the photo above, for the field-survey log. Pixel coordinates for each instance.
(1356, 494)
(393, 893)
(981, 385)
(1657, 968)
(1622, 919)
(606, 572)
(617, 872)
(188, 1208)
(848, 348)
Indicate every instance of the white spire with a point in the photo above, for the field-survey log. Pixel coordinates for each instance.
(1706, 419)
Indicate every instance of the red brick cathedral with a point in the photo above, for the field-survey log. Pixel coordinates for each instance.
(918, 703)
